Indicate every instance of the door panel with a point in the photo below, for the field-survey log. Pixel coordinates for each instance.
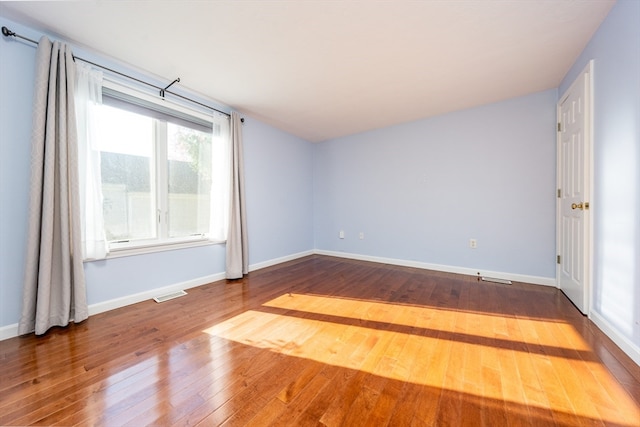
(574, 173)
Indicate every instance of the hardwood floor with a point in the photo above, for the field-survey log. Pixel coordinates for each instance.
(327, 341)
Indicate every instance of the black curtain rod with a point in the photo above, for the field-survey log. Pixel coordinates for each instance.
(8, 33)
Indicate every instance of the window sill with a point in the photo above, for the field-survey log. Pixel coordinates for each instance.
(156, 247)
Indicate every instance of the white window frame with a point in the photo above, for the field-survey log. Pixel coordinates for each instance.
(162, 242)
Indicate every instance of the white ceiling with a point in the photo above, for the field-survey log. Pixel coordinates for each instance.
(324, 69)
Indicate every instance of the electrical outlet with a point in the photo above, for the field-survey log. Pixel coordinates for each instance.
(473, 243)
(341, 235)
(361, 235)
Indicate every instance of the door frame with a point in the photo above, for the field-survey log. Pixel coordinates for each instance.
(588, 165)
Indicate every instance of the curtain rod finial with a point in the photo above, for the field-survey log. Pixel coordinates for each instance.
(7, 32)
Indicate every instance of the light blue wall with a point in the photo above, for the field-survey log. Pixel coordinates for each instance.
(279, 192)
(278, 184)
(615, 49)
(419, 191)
(17, 70)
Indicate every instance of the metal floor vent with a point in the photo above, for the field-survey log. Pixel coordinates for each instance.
(167, 297)
(496, 280)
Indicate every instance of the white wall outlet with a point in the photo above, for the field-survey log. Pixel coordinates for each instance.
(473, 243)
(361, 235)
(341, 235)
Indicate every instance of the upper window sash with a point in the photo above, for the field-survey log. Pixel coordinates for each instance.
(128, 98)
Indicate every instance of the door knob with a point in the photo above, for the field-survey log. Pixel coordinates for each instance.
(577, 206)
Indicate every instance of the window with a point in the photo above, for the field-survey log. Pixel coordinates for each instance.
(163, 171)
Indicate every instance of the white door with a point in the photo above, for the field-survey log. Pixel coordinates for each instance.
(574, 190)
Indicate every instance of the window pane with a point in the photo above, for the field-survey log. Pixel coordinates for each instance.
(189, 170)
(126, 146)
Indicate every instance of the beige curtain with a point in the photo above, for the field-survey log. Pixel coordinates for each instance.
(237, 242)
(54, 286)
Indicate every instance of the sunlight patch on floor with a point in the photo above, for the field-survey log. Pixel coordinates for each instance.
(419, 317)
(418, 344)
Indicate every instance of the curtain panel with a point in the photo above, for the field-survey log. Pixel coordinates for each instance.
(237, 259)
(88, 96)
(54, 284)
(221, 174)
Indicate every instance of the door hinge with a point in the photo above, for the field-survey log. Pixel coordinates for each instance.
(559, 127)
(558, 259)
(559, 193)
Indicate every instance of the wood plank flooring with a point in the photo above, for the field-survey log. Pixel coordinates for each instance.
(327, 341)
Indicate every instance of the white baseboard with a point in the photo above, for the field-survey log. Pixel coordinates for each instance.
(631, 350)
(275, 261)
(536, 280)
(101, 307)
(8, 331)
